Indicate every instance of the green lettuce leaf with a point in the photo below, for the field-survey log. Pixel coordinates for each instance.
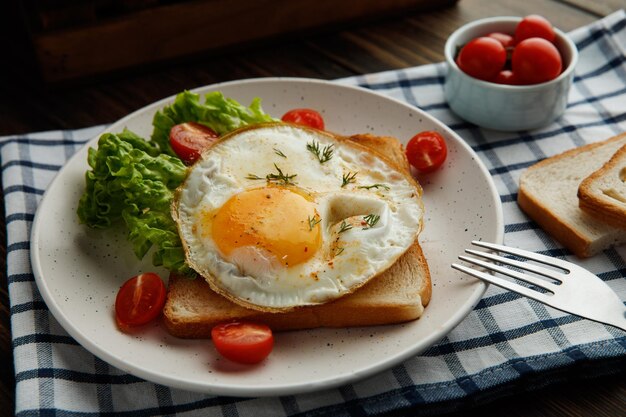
(132, 181)
(217, 112)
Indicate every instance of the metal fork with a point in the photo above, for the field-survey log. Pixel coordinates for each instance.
(576, 290)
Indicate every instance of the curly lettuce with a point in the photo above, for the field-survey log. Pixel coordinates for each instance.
(132, 181)
(217, 112)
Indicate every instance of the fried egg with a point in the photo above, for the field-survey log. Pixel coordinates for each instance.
(277, 216)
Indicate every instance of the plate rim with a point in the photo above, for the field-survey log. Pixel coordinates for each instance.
(274, 389)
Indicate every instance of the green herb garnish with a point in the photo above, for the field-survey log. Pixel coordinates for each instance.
(369, 187)
(344, 227)
(324, 154)
(371, 220)
(348, 178)
(313, 221)
(281, 177)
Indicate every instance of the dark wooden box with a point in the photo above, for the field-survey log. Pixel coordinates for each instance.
(79, 38)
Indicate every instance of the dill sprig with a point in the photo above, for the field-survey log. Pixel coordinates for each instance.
(339, 250)
(324, 154)
(279, 153)
(281, 177)
(348, 178)
(313, 221)
(344, 227)
(371, 220)
(369, 187)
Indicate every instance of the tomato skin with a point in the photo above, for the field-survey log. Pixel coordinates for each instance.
(189, 139)
(426, 151)
(139, 300)
(535, 60)
(482, 58)
(506, 77)
(243, 342)
(534, 26)
(505, 39)
(305, 117)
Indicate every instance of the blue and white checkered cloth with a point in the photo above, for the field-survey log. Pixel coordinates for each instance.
(506, 344)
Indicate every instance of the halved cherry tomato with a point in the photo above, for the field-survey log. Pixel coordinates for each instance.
(426, 151)
(482, 58)
(535, 60)
(534, 26)
(243, 342)
(139, 300)
(305, 117)
(189, 139)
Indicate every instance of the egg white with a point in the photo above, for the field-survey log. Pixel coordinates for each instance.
(346, 260)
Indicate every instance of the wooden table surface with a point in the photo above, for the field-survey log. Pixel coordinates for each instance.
(413, 38)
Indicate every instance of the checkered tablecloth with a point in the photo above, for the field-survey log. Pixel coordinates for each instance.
(506, 344)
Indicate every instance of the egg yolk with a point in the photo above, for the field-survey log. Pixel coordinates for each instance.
(277, 220)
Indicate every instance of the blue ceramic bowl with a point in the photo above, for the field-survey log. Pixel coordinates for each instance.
(501, 106)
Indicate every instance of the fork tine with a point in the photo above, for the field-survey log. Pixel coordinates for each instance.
(522, 265)
(508, 285)
(547, 260)
(506, 271)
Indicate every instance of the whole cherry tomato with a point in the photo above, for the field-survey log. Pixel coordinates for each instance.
(482, 58)
(305, 117)
(243, 342)
(139, 300)
(506, 77)
(426, 151)
(189, 139)
(505, 39)
(534, 26)
(535, 60)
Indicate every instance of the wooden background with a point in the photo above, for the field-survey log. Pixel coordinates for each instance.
(407, 39)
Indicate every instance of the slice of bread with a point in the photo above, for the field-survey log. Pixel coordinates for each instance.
(548, 193)
(603, 193)
(397, 295)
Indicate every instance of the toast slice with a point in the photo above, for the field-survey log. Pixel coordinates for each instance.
(603, 193)
(397, 295)
(548, 193)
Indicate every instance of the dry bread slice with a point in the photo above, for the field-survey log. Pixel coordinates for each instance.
(397, 295)
(603, 193)
(548, 193)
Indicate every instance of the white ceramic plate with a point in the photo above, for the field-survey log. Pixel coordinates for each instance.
(79, 271)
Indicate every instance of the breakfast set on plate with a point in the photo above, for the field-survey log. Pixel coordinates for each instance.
(311, 241)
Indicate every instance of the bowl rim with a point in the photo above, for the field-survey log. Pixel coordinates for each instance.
(450, 47)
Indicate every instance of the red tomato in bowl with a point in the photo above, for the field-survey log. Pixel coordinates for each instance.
(243, 342)
(505, 39)
(534, 26)
(482, 58)
(535, 60)
(305, 117)
(426, 151)
(506, 77)
(188, 140)
(139, 300)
